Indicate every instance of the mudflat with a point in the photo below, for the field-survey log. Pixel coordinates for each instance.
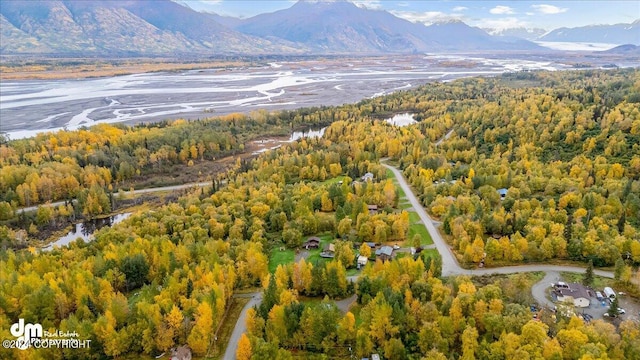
(28, 107)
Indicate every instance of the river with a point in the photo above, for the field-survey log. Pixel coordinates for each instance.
(29, 107)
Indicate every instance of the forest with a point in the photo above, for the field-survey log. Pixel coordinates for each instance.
(532, 167)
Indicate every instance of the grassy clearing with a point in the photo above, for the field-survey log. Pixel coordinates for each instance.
(414, 217)
(310, 300)
(333, 180)
(405, 205)
(599, 282)
(431, 252)
(416, 226)
(314, 254)
(401, 194)
(352, 272)
(237, 304)
(278, 257)
(421, 230)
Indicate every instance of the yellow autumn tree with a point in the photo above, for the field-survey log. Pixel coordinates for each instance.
(200, 335)
(244, 350)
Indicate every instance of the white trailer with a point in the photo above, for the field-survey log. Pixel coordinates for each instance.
(608, 292)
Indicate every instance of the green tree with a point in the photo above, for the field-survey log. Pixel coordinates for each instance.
(6, 212)
(613, 308)
(587, 280)
(44, 215)
(135, 268)
(292, 237)
(619, 269)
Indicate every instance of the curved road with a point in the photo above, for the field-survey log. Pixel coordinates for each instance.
(449, 267)
(539, 289)
(449, 264)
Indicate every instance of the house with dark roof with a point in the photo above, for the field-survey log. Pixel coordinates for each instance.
(384, 253)
(576, 293)
(311, 243)
(373, 209)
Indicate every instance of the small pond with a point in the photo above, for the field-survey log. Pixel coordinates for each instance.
(310, 133)
(401, 120)
(85, 230)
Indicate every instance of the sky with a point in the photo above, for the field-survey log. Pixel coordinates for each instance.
(545, 14)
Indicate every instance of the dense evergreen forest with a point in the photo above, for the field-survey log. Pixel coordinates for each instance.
(532, 167)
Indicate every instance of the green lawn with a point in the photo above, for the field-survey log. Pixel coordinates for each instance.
(401, 194)
(353, 271)
(314, 254)
(416, 226)
(599, 282)
(421, 230)
(431, 252)
(334, 180)
(404, 205)
(278, 257)
(314, 257)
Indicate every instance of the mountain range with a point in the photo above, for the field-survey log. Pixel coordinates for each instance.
(137, 28)
(121, 28)
(612, 34)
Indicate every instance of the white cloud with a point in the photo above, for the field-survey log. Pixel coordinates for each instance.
(369, 4)
(502, 10)
(428, 17)
(403, 4)
(460, 8)
(502, 24)
(548, 9)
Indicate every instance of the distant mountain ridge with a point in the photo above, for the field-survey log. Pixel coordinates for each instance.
(343, 26)
(627, 49)
(169, 28)
(614, 34)
(120, 28)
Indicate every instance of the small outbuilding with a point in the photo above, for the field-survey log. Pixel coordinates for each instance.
(329, 251)
(367, 177)
(362, 261)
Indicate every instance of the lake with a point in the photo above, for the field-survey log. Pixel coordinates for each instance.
(85, 230)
